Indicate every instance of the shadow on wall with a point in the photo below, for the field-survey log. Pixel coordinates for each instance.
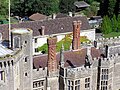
(5, 43)
(70, 63)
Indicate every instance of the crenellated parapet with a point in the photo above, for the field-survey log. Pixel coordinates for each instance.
(109, 41)
(79, 72)
(39, 73)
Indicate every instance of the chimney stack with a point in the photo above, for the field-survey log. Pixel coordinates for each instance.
(52, 62)
(54, 16)
(42, 30)
(76, 35)
(70, 14)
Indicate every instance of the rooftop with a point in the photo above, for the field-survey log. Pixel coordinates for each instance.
(37, 16)
(81, 4)
(20, 30)
(53, 26)
(71, 58)
(4, 51)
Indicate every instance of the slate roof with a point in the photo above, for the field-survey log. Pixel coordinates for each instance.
(81, 4)
(53, 26)
(4, 51)
(37, 16)
(71, 58)
(61, 15)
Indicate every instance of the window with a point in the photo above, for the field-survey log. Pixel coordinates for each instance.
(36, 49)
(70, 85)
(104, 79)
(25, 74)
(77, 85)
(26, 58)
(35, 40)
(40, 31)
(38, 84)
(25, 42)
(16, 42)
(87, 82)
(2, 75)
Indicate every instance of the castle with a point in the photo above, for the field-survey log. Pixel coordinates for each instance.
(90, 67)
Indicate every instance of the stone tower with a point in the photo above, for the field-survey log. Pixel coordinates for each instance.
(76, 35)
(52, 78)
(22, 41)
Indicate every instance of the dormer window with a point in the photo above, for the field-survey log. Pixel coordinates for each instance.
(41, 31)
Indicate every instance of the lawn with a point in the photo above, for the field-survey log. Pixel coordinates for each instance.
(112, 34)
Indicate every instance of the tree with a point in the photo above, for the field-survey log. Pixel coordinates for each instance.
(67, 6)
(118, 21)
(28, 7)
(111, 7)
(4, 8)
(106, 25)
(92, 10)
(103, 7)
(114, 23)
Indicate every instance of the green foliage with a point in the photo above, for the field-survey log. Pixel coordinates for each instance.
(28, 7)
(3, 8)
(114, 23)
(43, 48)
(106, 26)
(67, 6)
(111, 7)
(92, 10)
(118, 19)
(65, 41)
(112, 34)
(90, 1)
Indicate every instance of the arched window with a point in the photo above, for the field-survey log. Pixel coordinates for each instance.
(16, 42)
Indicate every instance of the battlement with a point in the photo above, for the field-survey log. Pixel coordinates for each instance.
(39, 73)
(111, 38)
(78, 72)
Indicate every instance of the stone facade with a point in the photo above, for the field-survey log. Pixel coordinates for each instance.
(16, 68)
(96, 73)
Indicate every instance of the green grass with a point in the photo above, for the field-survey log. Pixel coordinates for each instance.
(112, 34)
(65, 41)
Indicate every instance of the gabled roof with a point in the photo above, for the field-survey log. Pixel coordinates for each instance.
(37, 16)
(71, 58)
(53, 26)
(81, 4)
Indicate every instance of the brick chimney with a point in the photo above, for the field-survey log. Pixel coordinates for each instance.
(76, 35)
(52, 62)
